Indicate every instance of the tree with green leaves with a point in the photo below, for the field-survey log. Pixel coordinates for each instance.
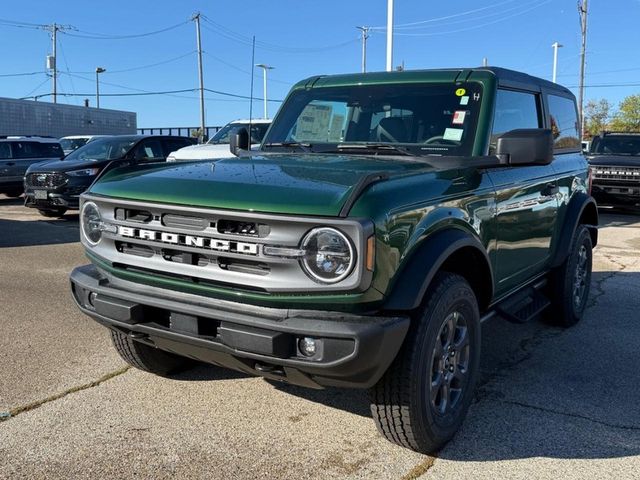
(628, 117)
(596, 116)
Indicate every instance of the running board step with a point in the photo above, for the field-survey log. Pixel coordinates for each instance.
(525, 306)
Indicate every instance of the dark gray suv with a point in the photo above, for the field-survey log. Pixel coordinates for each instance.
(17, 154)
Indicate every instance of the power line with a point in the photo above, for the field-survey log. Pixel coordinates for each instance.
(144, 67)
(239, 69)
(237, 37)
(474, 27)
(20, 74)
(456, 15)
(104, 36)
(35, 89)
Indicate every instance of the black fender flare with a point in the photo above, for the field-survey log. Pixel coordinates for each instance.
(414, 278)
(580, 204)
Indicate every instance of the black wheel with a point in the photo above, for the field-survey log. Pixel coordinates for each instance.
(570, 282)
(52, 212)
(147, 358)
(14, 193)
(423, 398)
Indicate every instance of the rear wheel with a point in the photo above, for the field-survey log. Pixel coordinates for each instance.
(570, 283)
(423, 398)
(52, 212)
(147, 358)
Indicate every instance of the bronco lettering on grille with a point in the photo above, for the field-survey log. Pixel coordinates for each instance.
(189, 240)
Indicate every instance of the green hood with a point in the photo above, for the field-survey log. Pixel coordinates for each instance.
(291, 184)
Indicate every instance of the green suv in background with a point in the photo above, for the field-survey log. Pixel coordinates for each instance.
(384, 218)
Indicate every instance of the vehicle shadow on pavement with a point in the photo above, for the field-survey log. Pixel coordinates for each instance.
(617, 218)
(16, 233)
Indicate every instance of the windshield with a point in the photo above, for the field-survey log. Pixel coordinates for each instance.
(616, 145)
(70, 144)
(105, 149)
(420, 119)
(222, 136)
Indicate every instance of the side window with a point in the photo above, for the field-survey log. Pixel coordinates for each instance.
(5, 150)
(26, 150)
(564, 123)
(149, 149)
(50, 150)
(514, 110)
(173, 144)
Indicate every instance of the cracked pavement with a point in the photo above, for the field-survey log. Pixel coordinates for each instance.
(551, 402)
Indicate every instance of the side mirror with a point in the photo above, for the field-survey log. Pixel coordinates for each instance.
(239, 141)
(525, 146)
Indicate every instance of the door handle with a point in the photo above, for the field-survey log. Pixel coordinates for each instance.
(550, 189)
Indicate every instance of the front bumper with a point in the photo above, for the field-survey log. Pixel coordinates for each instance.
(53, 200)
(352, 350)
(616, 195)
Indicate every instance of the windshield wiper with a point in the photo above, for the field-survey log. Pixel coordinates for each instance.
(305, 147)
(376, 147)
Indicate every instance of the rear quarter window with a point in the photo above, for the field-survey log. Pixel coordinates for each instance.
(565, 127)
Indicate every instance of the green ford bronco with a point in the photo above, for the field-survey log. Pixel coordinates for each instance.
(384, 218)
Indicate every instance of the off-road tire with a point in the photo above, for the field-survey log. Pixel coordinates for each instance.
(401, 403)
(52, 212)
(565, 309)
(147, 358)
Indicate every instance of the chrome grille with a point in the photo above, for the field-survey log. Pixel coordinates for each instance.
(223, 247)
(629, 174)
(48, 180)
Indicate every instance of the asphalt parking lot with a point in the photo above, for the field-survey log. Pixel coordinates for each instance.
(552, 403)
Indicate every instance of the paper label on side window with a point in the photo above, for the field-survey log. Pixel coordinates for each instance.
(458, 117)
(453, 134)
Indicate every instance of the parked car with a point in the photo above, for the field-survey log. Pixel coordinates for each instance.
(384, 218)
(73, 142)
(615, 167)
(218, 145)
(17, 153)
(54, 186)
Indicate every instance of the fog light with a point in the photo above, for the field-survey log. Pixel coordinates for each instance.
(307, 346)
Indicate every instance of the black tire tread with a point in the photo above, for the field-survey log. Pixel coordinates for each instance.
(390, 405)
(145, 357)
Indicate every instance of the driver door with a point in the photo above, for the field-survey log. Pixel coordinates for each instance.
(149, 150)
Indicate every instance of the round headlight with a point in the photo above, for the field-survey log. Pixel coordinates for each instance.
(91, 223)
(329, 256)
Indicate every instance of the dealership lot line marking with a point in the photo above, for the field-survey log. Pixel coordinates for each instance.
(33, 405)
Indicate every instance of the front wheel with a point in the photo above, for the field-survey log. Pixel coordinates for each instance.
(147, 358)
(52, 212)
(424, 396)
(570, 282)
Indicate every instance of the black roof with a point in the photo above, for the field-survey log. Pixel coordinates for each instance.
(508, 77)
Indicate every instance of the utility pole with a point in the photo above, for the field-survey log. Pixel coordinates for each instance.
(485, 62)
(582, 8)
(555, 46)
(365, 36)
(196, 18)
(52, 60)
(389, 35)
(264, 68)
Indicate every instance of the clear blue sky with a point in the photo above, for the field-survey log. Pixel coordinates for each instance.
(511, 33)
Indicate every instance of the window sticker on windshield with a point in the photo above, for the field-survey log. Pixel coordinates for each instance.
(464, 100)
(313, 123)
(460, 92)
(476, 97)
(458, 117)
(453, 134)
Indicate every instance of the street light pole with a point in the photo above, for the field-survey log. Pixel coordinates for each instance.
(99, 70)
(264, 68)
(555, 46)
(389, 35)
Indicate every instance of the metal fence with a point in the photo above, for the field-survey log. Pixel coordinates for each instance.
(179, 131)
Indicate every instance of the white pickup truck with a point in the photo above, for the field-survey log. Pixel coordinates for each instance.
(218, 146)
